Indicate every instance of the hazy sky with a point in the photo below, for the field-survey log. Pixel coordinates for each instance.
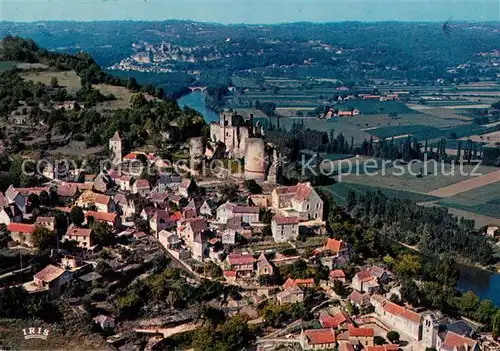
(251, 11)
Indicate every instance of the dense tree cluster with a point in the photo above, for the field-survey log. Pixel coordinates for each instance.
(433, 229)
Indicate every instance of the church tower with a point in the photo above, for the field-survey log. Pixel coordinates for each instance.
(115, 145)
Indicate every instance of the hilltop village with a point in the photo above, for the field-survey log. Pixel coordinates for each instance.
(264, 246)
(175, 234)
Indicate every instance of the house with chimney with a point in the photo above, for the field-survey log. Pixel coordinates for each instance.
(141, 187)
(51, 279)
(318, 339)
(21, 233)
(242, 264)
(284, 228)
(300, 200)
(248, 214)
(82, 236)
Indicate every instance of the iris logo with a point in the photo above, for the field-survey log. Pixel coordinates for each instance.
(36, 333)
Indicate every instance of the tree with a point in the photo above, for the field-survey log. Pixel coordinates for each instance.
(229, 192)
(353, 310)
(44, 198)
(102, 234)
(138, 100)
(496, 324)
(485, 311)
(43, 238)
(267, 231)
(54, 82)
(468, 303)
(378, 340)
(408, 266)
(77, 216)
(252, 186)
(265, 216)
(338, 288)
(393, 336)
(33, 201)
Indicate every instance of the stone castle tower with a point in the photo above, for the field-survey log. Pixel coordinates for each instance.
(115, 145)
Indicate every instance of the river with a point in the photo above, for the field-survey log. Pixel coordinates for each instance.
(196, 100)
(483, 283)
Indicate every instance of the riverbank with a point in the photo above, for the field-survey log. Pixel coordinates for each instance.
(196, 100)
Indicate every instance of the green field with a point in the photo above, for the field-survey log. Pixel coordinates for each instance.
(484, 200)
(340, 190)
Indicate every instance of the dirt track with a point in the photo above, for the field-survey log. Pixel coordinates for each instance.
(467, 185)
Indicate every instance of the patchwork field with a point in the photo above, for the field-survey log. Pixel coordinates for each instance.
(468, 184)
(67, 79)
(436, 178)
(340, 190)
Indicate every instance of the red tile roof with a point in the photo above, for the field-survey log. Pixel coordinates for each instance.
(298, 282)
(21, 228)
(320, 336)
(141, 184)
(246, 209)
(229, 273)
(395, 309)
(453, 339)
(286, 220)
(360, 332)
(74, 231)
(387, 347)
(283, 190)
(49, 273)
(303, 191)
(102, 199)
(345, 346)
(238, 259)
(335, 245)
(364, 276)
(337, 273)
(337, 320)
(67, 189)
(101, 216)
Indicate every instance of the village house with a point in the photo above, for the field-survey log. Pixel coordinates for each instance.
(19, 196)
(183, 189)
(86, 199)
(318, 339)
(301, 199)
(248, 214)
(228, 237)
(243, 265)
(285, 228)
(207, 208)
(360, 336)
(359, 299)
(141, 187)
(126, 183)
(337, 274)
(187, 229)
(159, 198)
(21, 233)
(291, 295)
(82, 236)
(456, 342)
(46, 222)
(102, 183)
(168, 239)
(386, 347)
(259, 200)
(68, 192)
(263, 266)
(103, 203)
(301, 283)
(125, 204)
(51, 278)
(167, 181)
(161, 220)
(398, 317)
(493, 231)
(365, 281)
(198, 246)
(340, 320)
(10, 214)
(111, 219)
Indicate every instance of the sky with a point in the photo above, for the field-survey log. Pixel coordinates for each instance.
(251, 11)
